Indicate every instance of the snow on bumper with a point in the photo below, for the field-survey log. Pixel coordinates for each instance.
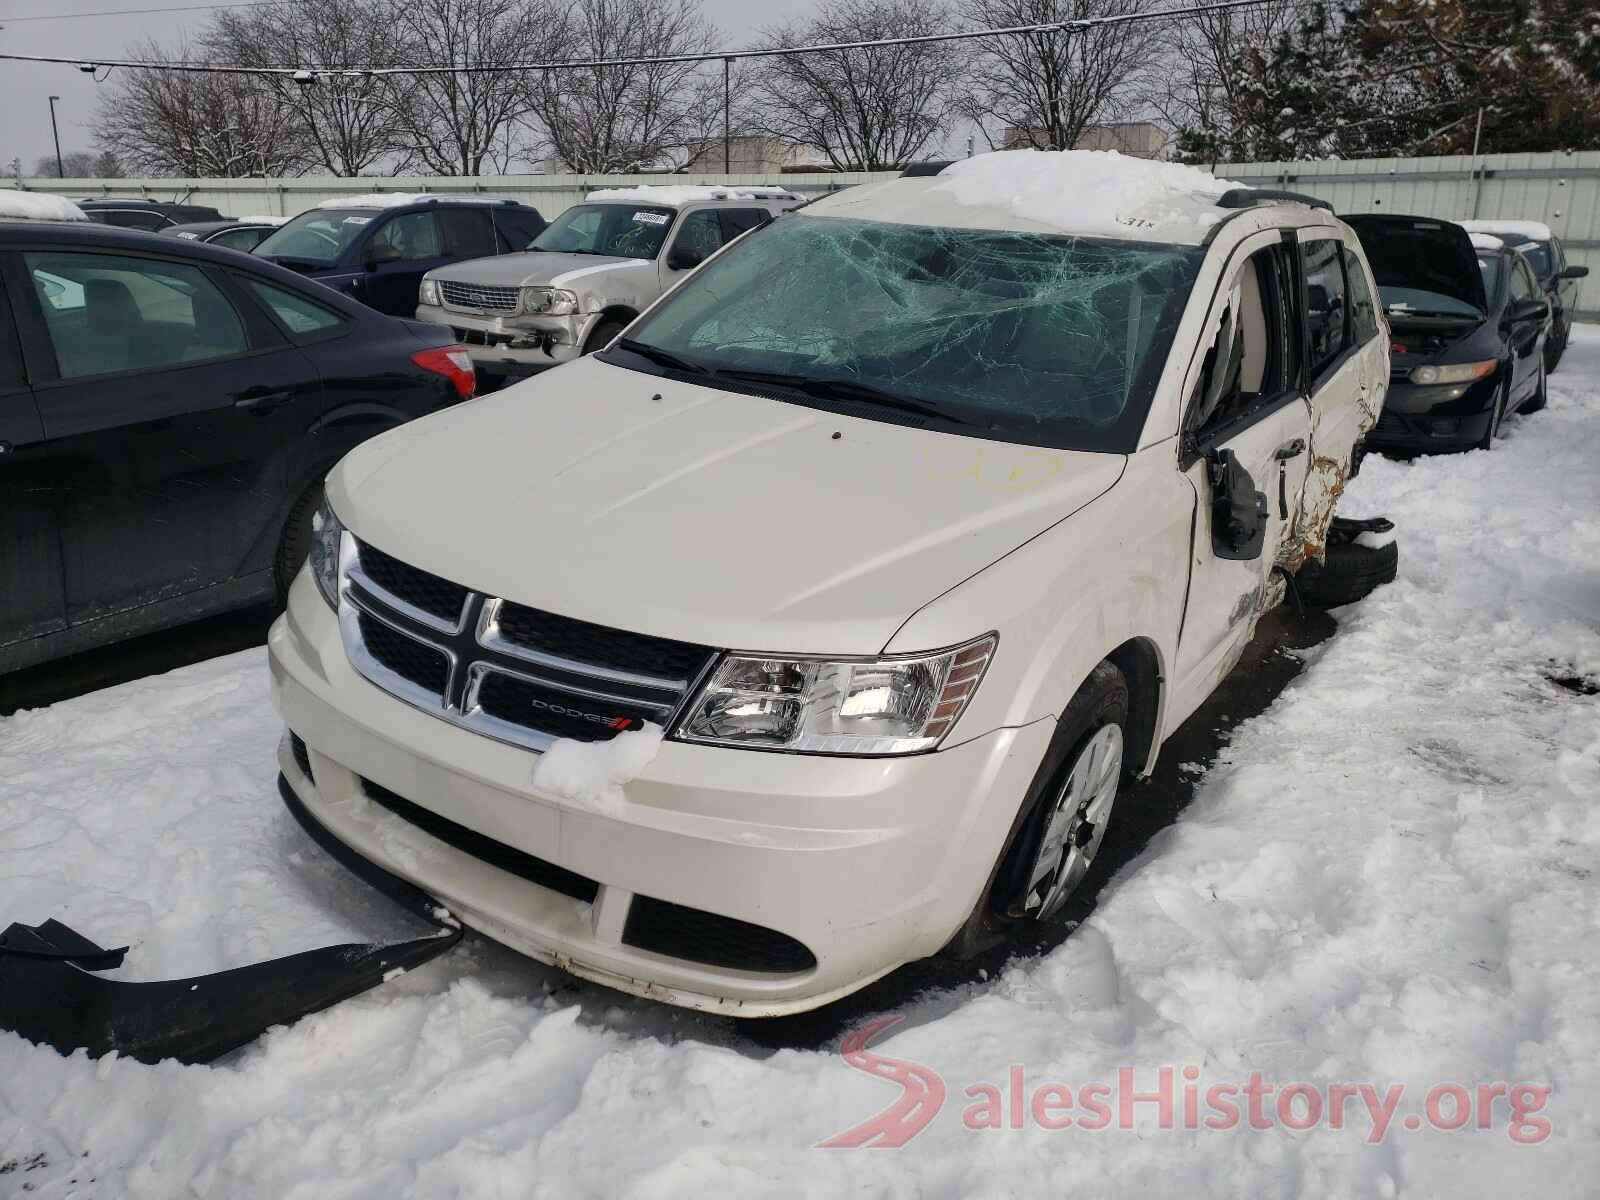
(866, 863)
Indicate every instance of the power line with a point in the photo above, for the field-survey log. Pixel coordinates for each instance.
(308, 73)
(131, 12)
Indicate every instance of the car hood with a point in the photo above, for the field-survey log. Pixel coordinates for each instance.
(1423, 254)
(515, 270)
(688, 512)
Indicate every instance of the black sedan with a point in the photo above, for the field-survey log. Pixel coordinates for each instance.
(236, 233)
(1468, 322)
(1560, 279)
(167, 412)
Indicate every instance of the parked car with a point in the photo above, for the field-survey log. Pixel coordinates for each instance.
(1468, 322)
(911, 523)
(149, 215)
(167, 412)
(1559, 279)
(597, 267)
(240, 233)
(377, 248)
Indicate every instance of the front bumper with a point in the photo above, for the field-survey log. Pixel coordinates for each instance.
(868, 863)
(1434, 417)
(515, 347)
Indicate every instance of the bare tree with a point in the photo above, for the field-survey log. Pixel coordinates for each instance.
(75, 164)
(350, 125)
(1041, 90)
(456, 123)
(867, 108)
(188, 123)
(1203, 88)
(629, 117)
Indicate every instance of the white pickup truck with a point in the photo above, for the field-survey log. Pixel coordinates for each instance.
(812, 626)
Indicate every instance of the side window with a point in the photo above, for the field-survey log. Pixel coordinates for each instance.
(467, 232)
(1255, 356)
(742, 220)
(407, 238)
(240, 239)
(699, 237)
(1521, 284)
(127, 218)
(518, 227)
(1326, 306)
(1363, 310)
(298, 314)
(107, 313)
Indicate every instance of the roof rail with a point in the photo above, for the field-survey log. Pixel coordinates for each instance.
(922, 170)
(1244, 197)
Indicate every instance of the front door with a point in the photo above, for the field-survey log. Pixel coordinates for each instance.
(1249, 405)
(165, 405)
(396, 255)
(1524, 335)
(30, 556)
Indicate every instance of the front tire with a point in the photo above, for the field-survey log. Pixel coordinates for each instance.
(295, 541)
(603, 333)
(1061, 824)
(1496, 415)
(1541, 396)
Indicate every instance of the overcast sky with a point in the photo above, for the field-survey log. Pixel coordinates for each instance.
(25, 88)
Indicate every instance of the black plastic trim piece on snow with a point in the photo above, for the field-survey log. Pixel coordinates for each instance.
(1249, 197)
(48, 997)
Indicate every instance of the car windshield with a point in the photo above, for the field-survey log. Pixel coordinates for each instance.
(614, 230)
(1537, 253)
(319, 236)
(1026, 337)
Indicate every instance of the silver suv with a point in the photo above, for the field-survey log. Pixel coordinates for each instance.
(591, 272)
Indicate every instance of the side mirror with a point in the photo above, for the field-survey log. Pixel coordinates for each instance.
(1528, 310)
(1238, 509)
(1574, 273)
(684, 260)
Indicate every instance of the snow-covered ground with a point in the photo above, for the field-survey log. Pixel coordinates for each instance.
(1389, 878)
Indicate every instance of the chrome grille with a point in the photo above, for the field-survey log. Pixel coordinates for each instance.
(504, 670)
(479, 297)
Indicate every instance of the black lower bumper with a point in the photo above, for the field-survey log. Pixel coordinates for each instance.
(1428, 431)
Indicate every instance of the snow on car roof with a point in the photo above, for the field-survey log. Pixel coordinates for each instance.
(376, 200)
(674, 194)
(1534, 231)
(37, 206)
(261, 220)
(1091, 193)
(1486, 241)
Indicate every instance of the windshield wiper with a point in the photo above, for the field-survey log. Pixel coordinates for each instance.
(835, 388)
(662, 358)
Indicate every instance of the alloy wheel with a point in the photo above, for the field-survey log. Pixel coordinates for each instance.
(1075, 823)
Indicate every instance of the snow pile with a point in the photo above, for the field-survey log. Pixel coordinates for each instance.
(674, 194)
(1486, 241)
(376, 200)
(592, 773)
(1389, 878)
(1533, 231)
(1090, 192)
(37, 206)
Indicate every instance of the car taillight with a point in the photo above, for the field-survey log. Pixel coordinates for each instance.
(454, 363)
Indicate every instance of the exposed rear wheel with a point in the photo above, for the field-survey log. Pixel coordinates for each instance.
(1350, 572)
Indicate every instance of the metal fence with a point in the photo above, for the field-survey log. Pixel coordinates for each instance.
(1562, 190)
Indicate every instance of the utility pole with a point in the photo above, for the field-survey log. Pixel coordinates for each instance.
(727, 122)
(56, 133)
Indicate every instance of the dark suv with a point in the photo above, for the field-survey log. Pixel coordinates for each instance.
(150, 215)
(167, 412)
(377, 248)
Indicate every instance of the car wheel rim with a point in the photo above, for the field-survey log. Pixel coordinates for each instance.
(1075, 823)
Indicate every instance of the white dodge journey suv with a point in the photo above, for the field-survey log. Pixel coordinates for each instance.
(811, 627)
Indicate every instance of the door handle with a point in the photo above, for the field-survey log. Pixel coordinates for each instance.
(1290, 449)
(263, 402)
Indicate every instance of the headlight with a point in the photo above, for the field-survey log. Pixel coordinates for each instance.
(1455, 373)
(873, 706)
(549, 302)
(323, 557)
(428, 292)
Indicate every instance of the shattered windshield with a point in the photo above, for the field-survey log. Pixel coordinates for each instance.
(1024, 337)
(614, 230)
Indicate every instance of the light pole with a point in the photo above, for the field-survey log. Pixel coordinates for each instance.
(56, 133)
